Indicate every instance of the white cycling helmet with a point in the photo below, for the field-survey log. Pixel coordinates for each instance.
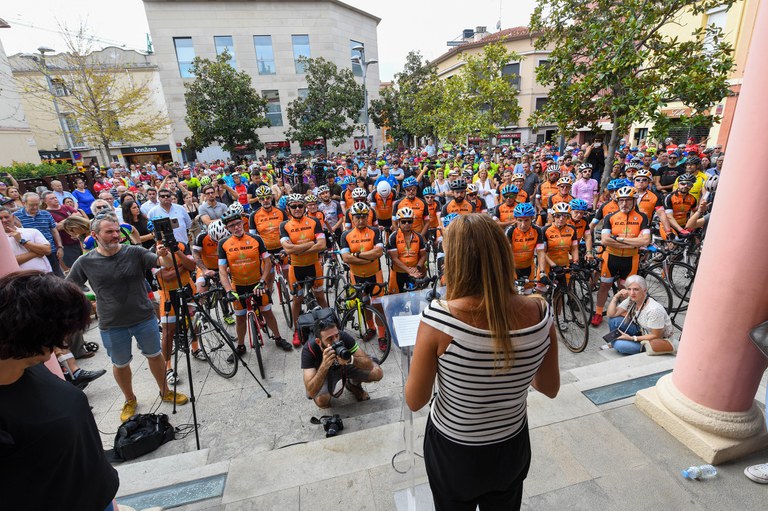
(359, 193)
(236, 207)
(711, 183)
(217, 231)
(384, 189)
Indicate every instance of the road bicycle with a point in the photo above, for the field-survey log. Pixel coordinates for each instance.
(281, 282)
(256, 326)
(357, 313)
(570, 316)
(217, 344)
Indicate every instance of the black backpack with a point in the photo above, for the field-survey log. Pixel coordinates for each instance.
(140, 435)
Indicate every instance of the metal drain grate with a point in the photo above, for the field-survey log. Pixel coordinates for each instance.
(178, 494)
(622, 389)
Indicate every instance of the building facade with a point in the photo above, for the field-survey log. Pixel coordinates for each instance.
(264, 38)
(17, 142)
(737, 24)
(531, 96)
(58, 134)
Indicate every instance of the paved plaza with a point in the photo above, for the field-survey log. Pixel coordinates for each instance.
(585, 455)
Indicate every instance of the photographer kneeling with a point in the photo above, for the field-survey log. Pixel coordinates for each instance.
(332, 361)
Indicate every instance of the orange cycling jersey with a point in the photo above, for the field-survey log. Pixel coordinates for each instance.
(208, 249)
(462, 208)
(522, 196)
(504, 213)
(420, 211)
(630, 225)
(525, 244)
(267, 225)
(170, 282)
(649, 202)
(372, 218)
(319, 216)
(558, 243)
(382, 206)
(243, 257)
(479, 205)
(580, 226)
(432, 209)
(347, 198)
(547, 190)
(300, 231)
(680, 206)
(407, 252)
(362, 240)
(557, 198)
(606, 209)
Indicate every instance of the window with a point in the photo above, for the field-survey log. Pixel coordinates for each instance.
(73, 130)
(274, 114)
(542, 64)
(225, 43)
(512, 73)
(185, 54)
(59, 87)
(303, 93)
(357, 68)
(540, 102)
(717, 17)
(265, 56)
(300, 49)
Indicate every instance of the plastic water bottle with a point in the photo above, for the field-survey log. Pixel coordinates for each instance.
(700, 472)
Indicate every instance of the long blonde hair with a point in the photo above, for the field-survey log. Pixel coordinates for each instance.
(478, 262)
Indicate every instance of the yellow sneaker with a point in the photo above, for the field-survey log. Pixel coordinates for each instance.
(179, 398)
(129, 410)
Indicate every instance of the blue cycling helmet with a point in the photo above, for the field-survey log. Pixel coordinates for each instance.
(282, 203)
(350, 180)
(408, 182)
(150, 226)
(429, 191)
(615, 184)
(627, 182)
(507, 189)
(579, 205)
(524, 209)
(450, 217)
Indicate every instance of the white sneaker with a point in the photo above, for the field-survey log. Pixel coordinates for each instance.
(758, 473)
(171, 377)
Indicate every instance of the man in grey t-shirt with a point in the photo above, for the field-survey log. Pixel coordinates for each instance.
(115, 273)
(211, 209)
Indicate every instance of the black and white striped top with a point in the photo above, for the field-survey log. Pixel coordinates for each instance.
(479, 403)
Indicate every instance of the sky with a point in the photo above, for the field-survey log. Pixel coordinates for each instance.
(405, 24)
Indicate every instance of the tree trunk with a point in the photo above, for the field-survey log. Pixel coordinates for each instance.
(104, 150)
(609, 156)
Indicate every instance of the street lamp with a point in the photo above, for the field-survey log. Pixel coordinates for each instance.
(40, 59)
(360, 59)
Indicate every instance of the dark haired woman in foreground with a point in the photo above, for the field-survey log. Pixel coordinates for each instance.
(487, 345)
(49, 443)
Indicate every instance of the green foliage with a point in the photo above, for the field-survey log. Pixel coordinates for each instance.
(618, 62)
(489, 98)
(222, 107)
(385, 112)
(331, 107)
(34, 170)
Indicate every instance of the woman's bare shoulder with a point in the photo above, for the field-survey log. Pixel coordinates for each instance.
(529, 309)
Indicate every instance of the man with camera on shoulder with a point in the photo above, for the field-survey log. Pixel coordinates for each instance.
(332, 361)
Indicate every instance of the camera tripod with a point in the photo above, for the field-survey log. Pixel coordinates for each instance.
(180, 299)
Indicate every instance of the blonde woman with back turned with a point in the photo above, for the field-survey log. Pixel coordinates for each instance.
(486, 344)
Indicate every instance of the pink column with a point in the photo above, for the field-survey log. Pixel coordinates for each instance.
(717, 366)
(8, 265)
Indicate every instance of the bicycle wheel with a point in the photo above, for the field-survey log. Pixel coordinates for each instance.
(257, 342)
(224, 315)
(334, 287)
(356, 326)
(431, 260)
(571, 320)
(284, 296)
(216, 344)
(583, 291)
(680, 277)
(658, 289)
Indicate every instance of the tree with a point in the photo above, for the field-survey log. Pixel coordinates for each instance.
(385, 112)
(331, 106)
(619, 63)
(105, 105)
(222, 107)
(490, 95)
